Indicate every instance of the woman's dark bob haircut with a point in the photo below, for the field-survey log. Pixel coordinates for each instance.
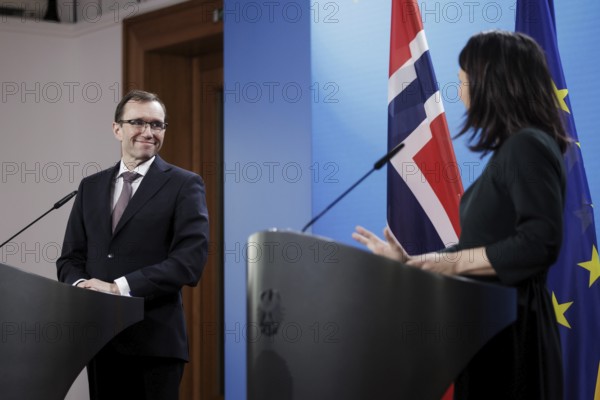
(510, 88)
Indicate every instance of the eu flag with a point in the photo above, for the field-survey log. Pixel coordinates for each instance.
(573, 280)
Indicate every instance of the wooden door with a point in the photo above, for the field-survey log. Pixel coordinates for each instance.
(177, 52)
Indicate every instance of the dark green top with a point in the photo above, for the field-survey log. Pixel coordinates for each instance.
(514, 209)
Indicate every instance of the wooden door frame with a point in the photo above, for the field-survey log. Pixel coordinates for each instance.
(187, 22)
(187, 31)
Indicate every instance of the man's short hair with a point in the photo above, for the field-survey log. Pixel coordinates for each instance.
(138, 96)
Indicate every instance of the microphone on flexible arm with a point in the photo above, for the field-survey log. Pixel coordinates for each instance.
(56, 205)
(378, 165)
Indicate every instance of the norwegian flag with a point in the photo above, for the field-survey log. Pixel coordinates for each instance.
(424, 185)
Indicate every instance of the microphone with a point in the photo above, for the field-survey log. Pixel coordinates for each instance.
(56, 205)
(62, 201)
(378, 165)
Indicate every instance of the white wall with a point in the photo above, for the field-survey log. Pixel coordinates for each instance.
(56, 107)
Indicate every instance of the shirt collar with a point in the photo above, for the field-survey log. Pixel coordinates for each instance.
(141, 169)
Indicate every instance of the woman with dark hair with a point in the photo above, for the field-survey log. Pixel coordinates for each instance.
(511, 216)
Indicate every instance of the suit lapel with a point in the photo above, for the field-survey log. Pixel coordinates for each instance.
(154, 180)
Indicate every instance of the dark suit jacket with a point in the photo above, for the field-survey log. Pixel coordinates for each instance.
(159, 245)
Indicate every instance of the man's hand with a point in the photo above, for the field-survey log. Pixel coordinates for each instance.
(99, 286)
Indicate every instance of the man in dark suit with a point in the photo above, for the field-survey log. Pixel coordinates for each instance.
(139, 229)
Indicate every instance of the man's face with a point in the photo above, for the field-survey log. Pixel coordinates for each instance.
(139, 144)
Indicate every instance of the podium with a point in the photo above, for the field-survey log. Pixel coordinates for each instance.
(330, 321)
(50, 331)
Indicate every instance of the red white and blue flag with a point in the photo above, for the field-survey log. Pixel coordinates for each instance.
(424, 185)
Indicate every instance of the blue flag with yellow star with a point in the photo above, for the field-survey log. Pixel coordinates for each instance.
(573, 280)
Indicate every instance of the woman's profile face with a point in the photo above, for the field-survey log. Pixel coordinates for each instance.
(463, 91)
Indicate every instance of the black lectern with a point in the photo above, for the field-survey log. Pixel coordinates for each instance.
(51, 330)
(330, 321)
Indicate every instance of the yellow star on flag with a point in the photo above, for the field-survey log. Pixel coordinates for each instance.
(559, 311)
(593, 266)
(560, 96)
(597, 391)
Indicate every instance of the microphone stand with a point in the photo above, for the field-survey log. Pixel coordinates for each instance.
(56, 205)
(378, 165)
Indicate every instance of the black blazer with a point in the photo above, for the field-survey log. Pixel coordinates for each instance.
(159, 245)
(515, 210)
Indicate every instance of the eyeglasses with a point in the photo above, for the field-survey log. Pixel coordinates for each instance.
(140, 124)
